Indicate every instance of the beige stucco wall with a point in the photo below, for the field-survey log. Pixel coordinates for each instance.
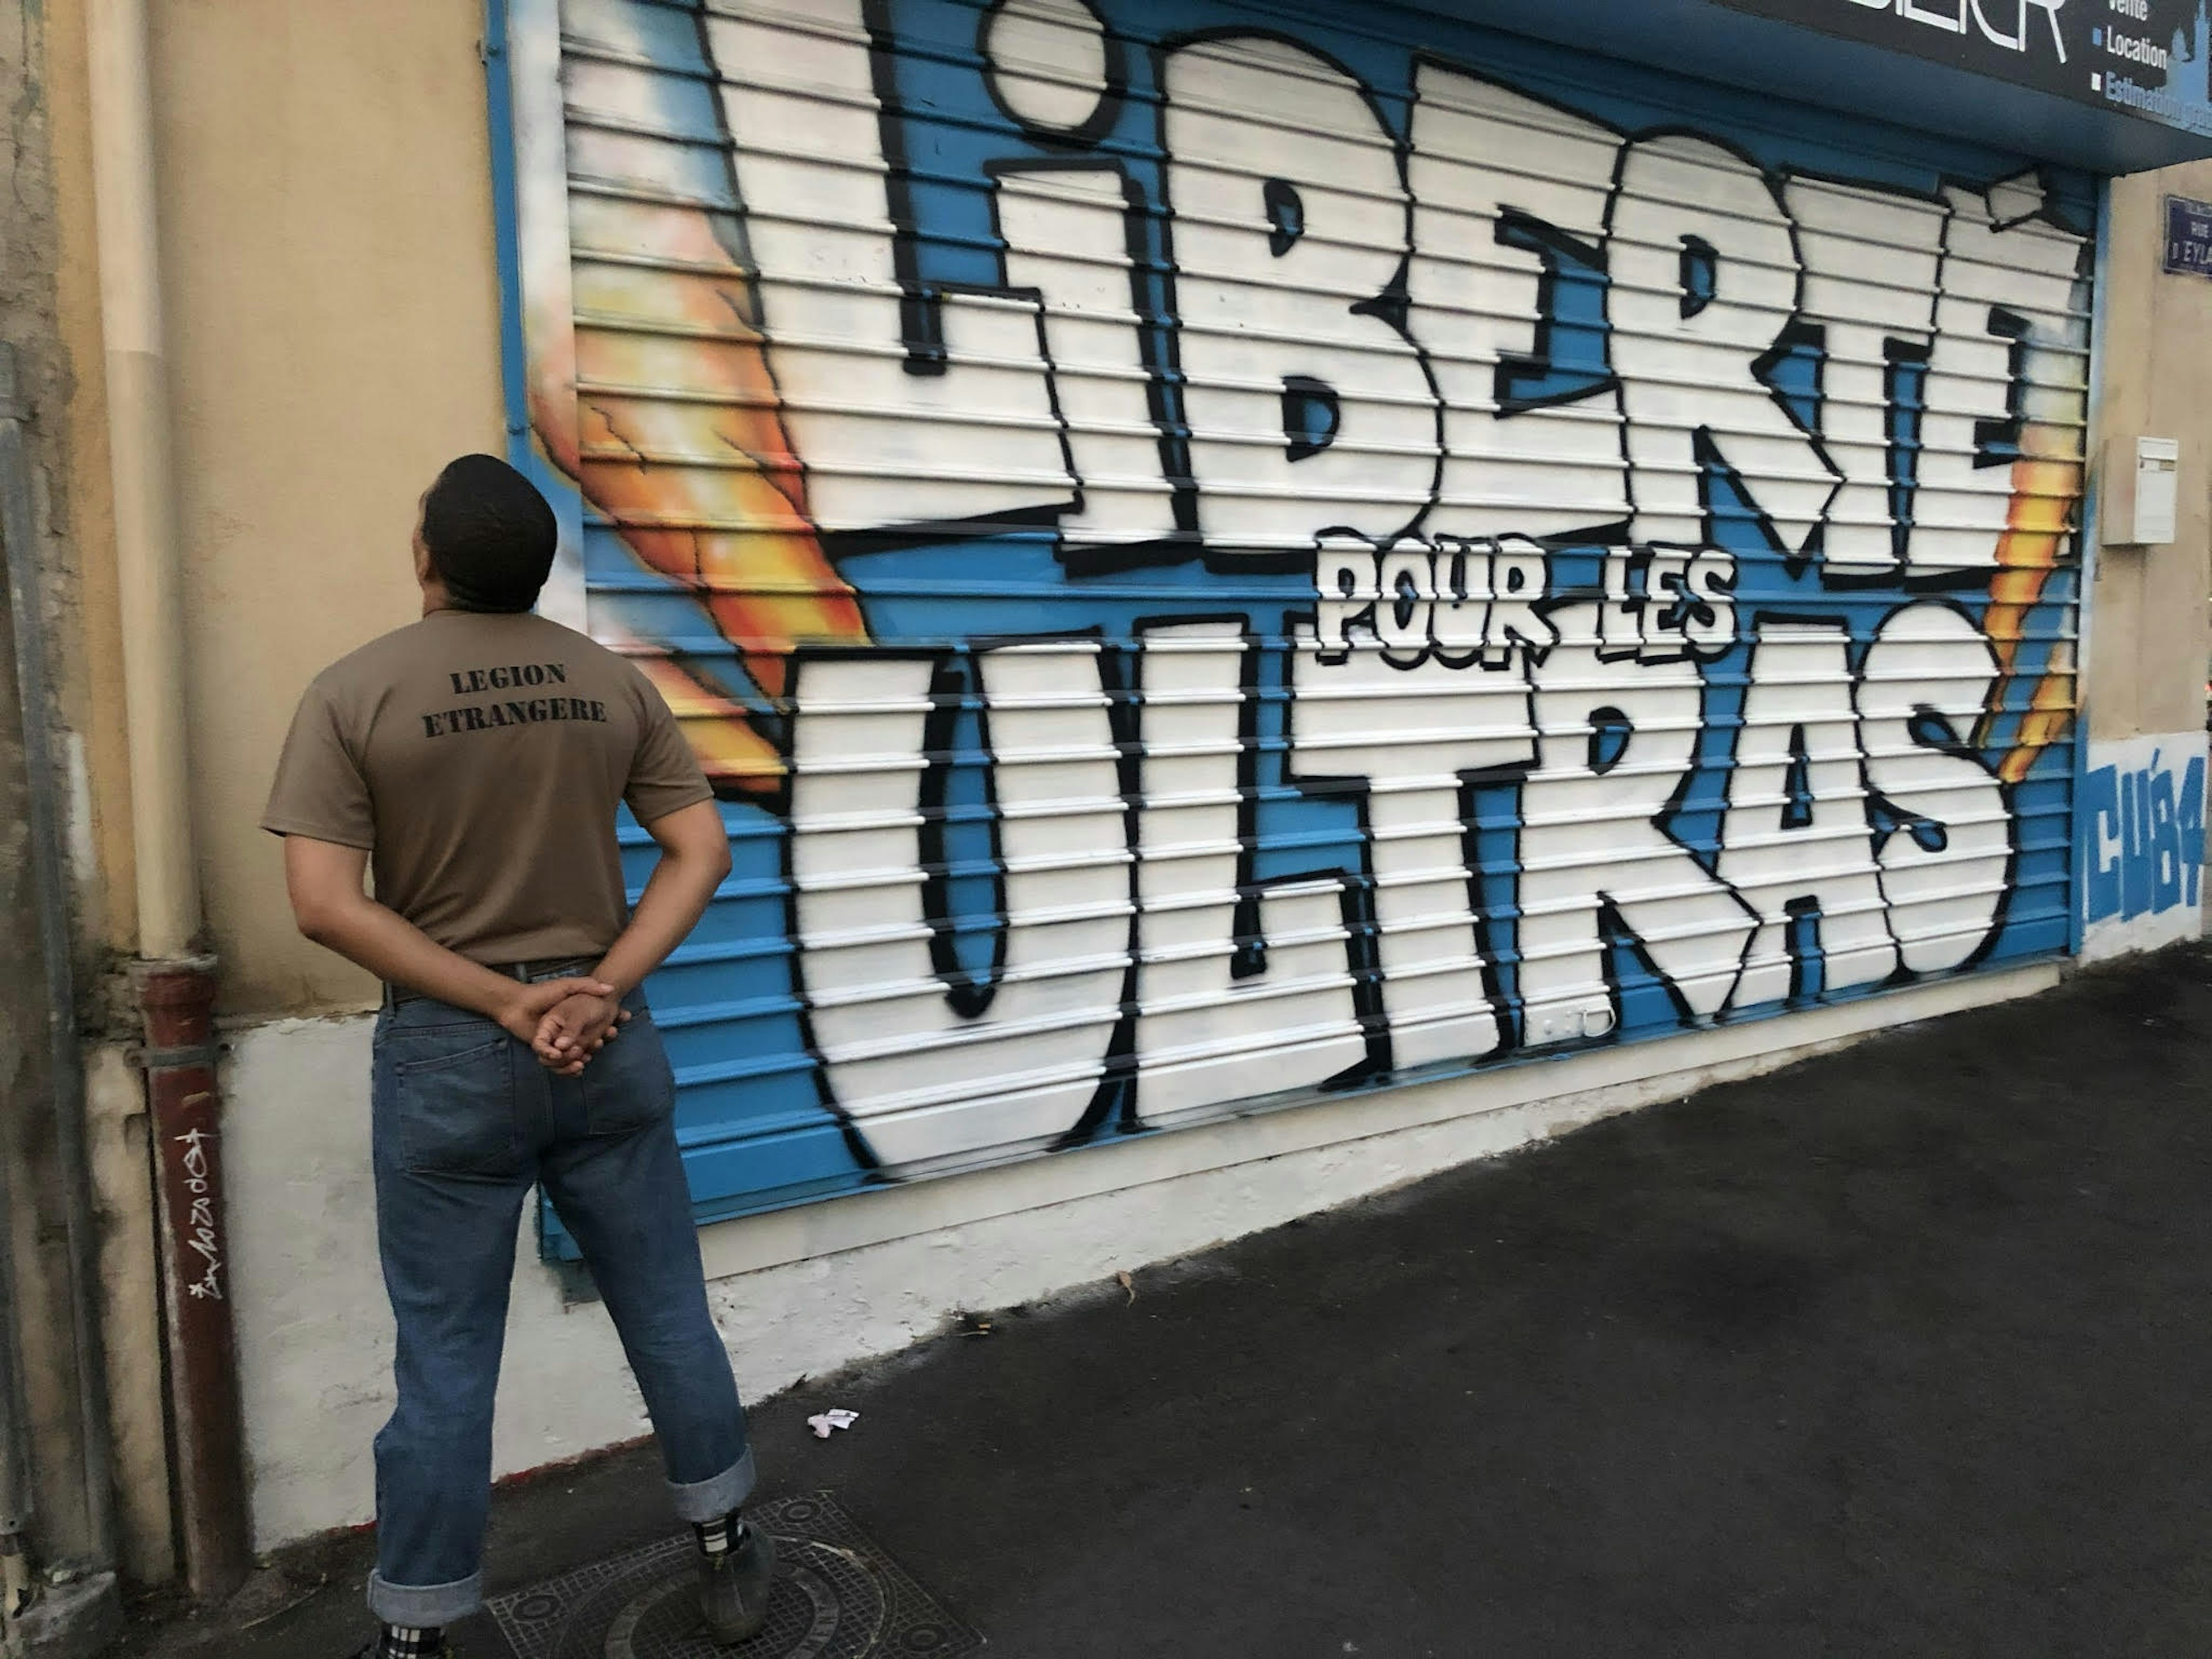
(332, 293)
(2151, 625)
(332, 308)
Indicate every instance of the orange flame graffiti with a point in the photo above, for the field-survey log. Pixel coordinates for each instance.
(2046, 495)
(678, 437)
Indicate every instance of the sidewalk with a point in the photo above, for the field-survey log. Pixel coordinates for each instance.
(1901, 1352)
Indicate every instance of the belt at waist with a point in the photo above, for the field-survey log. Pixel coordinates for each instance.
(528, 972)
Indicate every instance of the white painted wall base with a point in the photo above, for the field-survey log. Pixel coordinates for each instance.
(802, 1292)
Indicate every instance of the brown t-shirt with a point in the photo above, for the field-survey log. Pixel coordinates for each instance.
(478, 760)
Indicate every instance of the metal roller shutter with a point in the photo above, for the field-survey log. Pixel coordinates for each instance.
(1219, 552)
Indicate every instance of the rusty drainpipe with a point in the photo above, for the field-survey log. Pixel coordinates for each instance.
(177, 1001)
(176, 986)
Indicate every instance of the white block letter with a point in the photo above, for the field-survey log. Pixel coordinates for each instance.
(1412, 738)
(1617, 738)
(964, 431)
(1307, 411)
(1067, 231)
(1796, 842)
(925, 1082)
(1705, 282)
(2009, 380)
(1508, 191)
(1945, 870)
(1242, 990)
(1870, 268)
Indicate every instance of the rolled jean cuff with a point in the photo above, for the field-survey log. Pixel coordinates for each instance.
(418, 1606)
(712, 1499)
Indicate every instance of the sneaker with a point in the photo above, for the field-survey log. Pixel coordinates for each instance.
(374, 1649)
(734, 1588)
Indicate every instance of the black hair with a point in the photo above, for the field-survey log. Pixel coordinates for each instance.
(490, 533)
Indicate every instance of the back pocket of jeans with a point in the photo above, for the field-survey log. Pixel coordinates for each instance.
(454, 1101)
(629, 1084)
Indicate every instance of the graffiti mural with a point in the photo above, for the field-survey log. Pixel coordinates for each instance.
(1211, 558)
(2141, 828)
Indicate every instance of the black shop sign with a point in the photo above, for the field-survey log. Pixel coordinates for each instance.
(2107, 52)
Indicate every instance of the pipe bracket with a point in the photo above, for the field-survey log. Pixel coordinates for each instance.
(170, 1060)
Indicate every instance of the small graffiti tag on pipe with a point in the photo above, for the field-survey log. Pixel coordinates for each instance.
(201, 1234)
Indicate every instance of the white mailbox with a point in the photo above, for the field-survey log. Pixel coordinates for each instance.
(2142, 491)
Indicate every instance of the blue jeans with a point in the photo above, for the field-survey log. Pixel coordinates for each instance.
(465, 1121)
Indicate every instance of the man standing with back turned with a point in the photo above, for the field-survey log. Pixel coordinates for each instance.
(476, 758)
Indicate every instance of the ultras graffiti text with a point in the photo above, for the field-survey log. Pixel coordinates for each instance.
(1660, 558)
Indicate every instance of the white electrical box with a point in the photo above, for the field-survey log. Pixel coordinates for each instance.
(2142, 491)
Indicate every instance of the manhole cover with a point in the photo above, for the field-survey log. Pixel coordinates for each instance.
(836, 1596)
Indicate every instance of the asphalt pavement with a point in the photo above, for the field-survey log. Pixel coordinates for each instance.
(1902, 1351)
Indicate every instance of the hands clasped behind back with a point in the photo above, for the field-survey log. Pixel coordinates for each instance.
(576, 1027)
(564, 1021)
